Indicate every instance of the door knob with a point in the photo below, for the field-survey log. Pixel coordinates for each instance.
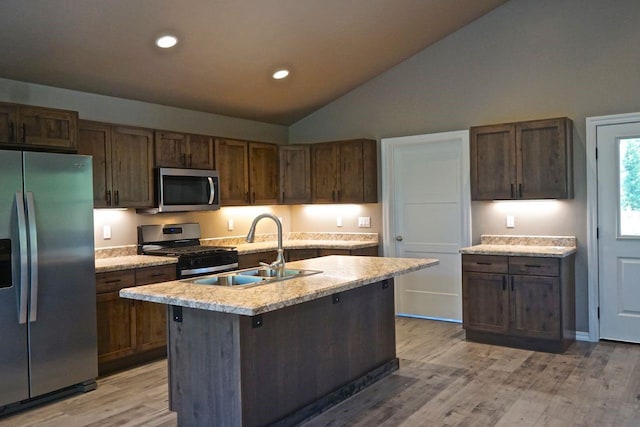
(399, 238)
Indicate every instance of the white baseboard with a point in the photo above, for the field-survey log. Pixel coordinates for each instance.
(582, 336)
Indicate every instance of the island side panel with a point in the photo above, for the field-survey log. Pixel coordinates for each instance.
(304, 352)
(204, 368)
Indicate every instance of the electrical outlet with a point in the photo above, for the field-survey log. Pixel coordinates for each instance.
(339, 221)
(106, 232)
(230, 224)
(511, 221)
(364, 221)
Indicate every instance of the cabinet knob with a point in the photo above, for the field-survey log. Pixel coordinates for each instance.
(399, 238)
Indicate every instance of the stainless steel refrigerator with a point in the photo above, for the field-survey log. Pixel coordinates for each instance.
(47, 277)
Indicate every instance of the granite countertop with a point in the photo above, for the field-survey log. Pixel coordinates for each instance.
(124, 257)
(539, 246)
(339, 273)
(126, 262)
(248, 248)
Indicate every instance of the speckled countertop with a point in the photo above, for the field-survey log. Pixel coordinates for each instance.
(339, 273)
(126, 262)
(540, 246)
(125, 257)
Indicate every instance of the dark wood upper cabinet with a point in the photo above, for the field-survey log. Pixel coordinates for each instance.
(248, 172)
(179, 150)
(263, 173)
(344, 172)
(232, 163)
(295, 174)
(526, 160)
(122, 164)
(37, 127)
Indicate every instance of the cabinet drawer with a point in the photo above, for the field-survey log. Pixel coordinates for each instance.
(534, 266)
(485, 263)
(156, 274)
(114, 281)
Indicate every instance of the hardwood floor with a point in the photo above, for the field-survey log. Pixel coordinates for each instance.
(443, 381)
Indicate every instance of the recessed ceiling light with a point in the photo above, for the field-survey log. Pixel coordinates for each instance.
(280, 74)
(166, 41)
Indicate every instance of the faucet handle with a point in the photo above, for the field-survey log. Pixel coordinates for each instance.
(264, 264)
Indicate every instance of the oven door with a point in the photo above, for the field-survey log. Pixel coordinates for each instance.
(200, 265)
(183, 190)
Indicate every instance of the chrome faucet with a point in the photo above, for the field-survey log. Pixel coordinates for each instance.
(278, 264)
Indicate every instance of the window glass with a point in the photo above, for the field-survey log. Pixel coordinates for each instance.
(629, 155)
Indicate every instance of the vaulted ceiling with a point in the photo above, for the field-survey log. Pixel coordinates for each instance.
(227, 49)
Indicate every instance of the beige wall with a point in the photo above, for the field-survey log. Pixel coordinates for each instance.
(524, 60)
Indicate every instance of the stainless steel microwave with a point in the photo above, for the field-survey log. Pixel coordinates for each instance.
(183, 190)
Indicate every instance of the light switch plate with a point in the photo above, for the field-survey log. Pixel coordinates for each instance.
(339, 221)
(230, 224)
(106, 232)
(364, 221)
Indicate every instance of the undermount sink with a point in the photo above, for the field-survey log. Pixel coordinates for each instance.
(249, 277)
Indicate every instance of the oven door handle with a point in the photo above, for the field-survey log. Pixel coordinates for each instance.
(214, 269)
(212, 190)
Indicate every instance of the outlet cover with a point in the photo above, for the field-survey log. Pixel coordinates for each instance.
(106, 232)
(230, 224)
(339, 221)
(364, 221)
(511, 221)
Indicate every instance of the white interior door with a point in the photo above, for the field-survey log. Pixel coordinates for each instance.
(618, 171)
(427, 215)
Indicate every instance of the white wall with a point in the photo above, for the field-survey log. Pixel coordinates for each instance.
(524, 60)
(128, 112)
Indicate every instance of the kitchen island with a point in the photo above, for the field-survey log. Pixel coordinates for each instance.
(281, 352)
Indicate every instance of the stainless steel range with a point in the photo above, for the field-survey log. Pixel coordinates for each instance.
(183, 242)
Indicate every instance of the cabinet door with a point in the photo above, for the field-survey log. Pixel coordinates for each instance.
(94, 139)
(151, 325)
(544, 161)
(324, 173)
(171, 149)
(299, 254)
(232, 163)
(116, 326)
(535, 307)
(351, 188)
(263, 173)
(8, 126)
(295, 174)
(132, 167)
(254, 259)
(493, 162)
(46, 127)
(200, 152)
(485, 302)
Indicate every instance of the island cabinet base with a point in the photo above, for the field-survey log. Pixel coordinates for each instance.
(279, 367)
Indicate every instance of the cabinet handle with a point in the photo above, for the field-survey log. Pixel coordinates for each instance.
(184, 159)
(282, 197)
(484, 263)
(532, 266)
(113, 281)
(513, 191)
(12, 131)
(338, 195)
(511, 283)
(117, 197)
(254, 198)
(504, 283)
(190, 159)
(157, 274)
(333, 195)
(24, 133)
(246, 197)
(520, 191)
(108, 197)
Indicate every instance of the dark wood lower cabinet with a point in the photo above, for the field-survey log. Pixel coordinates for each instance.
(130, 332)
(526, 302)
(283, 366)
(254, 259)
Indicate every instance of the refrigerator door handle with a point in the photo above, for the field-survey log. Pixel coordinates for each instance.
(33, 249)
(24, 259)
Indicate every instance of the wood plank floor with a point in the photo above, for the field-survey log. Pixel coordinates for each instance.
(443, 381)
